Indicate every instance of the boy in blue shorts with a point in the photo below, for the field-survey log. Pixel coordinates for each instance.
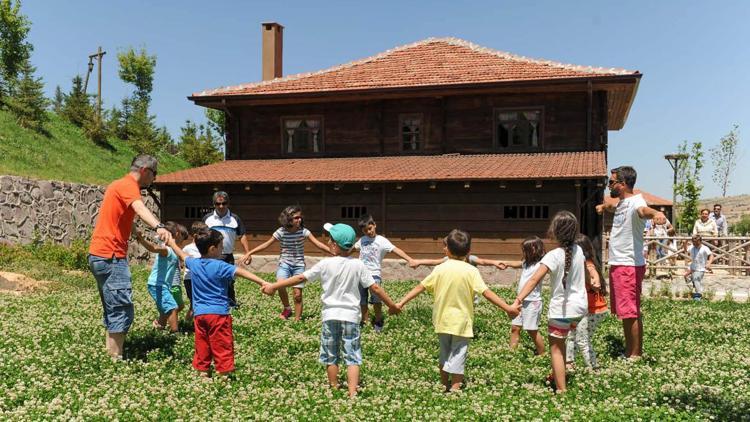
(166, 266)
(341, 277)
(372, 249)
(211, 278)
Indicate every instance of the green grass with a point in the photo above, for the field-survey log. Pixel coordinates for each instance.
(53, 365)
(64, 153)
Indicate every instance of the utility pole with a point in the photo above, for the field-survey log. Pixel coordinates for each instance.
(98, 55)
(674, 162)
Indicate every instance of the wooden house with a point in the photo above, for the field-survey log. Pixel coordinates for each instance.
(426, 137)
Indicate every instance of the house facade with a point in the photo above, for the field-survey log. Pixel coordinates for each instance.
(426, 137)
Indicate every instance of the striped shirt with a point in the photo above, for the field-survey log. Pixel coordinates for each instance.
(292, 245)
(230, 225)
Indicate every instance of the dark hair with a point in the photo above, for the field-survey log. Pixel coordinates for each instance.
(706, 209)
(206, 239)
(198, 227)
(697, 237)
(563, 229)
(717, 205)
(626, 174)
(458, 242)
(175, 229)
(533, 250)
(285, 218)
(589, 253)
(365, 221)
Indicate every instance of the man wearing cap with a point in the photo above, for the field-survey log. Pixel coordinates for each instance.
(340, 277)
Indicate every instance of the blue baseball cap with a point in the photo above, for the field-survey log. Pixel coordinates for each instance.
(343, 234)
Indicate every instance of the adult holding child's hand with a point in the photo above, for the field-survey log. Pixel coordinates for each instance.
(108, 253)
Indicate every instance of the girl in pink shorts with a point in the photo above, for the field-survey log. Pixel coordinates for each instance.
(568, 304)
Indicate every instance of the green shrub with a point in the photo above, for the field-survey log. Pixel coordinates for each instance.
(741, 227)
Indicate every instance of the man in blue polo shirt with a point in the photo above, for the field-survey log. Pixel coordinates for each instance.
(230, 225)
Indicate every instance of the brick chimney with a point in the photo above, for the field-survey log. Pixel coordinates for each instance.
(273, 41)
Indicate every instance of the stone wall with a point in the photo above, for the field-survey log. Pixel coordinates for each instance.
(54, 211)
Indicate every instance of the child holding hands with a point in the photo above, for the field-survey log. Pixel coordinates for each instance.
(568, 304)
(211, 277)
(341, 278)
(453, 284)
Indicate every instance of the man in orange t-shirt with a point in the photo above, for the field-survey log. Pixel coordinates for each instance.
(108, 253)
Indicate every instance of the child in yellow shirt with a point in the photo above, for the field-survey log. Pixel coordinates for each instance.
(453, 285)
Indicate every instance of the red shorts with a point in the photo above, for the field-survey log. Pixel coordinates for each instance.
(625, 285)
(213, 340)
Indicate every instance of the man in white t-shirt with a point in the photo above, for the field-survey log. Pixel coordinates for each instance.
(340, 276)
(701, 259)
(627, 265)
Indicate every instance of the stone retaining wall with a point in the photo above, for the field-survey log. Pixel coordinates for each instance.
(54, 211)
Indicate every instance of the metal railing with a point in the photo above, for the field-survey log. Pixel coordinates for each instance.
(731, 253)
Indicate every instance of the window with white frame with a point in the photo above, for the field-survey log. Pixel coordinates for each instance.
(303, 135)
(517, 128)
(411, 131)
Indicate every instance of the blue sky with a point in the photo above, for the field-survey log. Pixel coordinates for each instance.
(696, 82)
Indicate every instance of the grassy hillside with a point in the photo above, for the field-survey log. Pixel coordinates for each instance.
(733, 207)
(66, 154)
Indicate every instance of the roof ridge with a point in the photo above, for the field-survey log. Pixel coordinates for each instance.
(448, 40)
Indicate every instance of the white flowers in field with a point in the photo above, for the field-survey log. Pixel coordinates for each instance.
(53, 366)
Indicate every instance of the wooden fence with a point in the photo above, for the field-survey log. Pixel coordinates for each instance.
(731, 254)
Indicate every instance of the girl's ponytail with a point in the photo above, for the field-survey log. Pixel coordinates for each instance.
(563, 229)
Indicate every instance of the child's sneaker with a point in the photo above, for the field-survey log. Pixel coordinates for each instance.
(377, 326)
(286, 313)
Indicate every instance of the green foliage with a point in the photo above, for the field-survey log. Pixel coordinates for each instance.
(73, 257)
(15, 50)
(58, 101)
(198, 145)
(688, 185)
(724, 158)
(137, 68)
(76, 106)
(27, 102)
(217, 121)
(742, 227)
(66, 154)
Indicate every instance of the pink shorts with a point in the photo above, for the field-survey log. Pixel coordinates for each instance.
(625, 285)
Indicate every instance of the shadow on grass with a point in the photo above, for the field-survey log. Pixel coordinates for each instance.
(709, 404)
(615, 346)
(140, 344)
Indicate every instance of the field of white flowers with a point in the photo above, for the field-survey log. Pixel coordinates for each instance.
(53, 366)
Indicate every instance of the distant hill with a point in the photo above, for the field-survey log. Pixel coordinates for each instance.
(66, 154)
(733, 207)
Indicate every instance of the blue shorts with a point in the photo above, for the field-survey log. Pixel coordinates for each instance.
(115, 292)
(364, 293)
(335, 335)
(162, 295)
(288, 270)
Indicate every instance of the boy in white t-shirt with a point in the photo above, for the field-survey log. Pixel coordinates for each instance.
(372, 249)
(341, 277)
(701, 259)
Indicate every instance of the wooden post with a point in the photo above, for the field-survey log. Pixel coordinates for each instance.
(323, 203)
(443, 138)
(381, 128)
(383, 212)
(589, 110)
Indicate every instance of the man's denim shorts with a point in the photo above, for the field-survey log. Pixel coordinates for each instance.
(115, 291)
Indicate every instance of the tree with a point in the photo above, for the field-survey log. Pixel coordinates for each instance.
(688, 185)
(724, 157)
(58, 101)
(15, 51)
(77, 107)
(217, 121)
(198, 146)
(141, 131)
(28, 102)
(137, 68)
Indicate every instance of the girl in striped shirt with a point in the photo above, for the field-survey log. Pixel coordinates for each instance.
(291, 237)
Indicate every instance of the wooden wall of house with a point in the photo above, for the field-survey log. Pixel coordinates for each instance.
(461, 124)
(416, 217)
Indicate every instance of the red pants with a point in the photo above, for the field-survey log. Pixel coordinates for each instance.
(213, 340)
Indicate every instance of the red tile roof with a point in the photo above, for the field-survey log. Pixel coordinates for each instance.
(651, 200)
(566, 165)
(432, 62)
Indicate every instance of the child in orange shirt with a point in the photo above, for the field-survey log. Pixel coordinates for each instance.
(580, 337)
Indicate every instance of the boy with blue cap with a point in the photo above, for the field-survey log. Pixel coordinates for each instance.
(341, 277)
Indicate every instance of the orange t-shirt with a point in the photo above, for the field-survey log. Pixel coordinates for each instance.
(597, 301)
(112, 231)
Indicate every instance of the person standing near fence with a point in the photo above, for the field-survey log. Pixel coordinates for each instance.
(721, 221)
(627, 266)
(108, 252)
